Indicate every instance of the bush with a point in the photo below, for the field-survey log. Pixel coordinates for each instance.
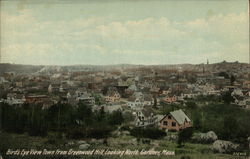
(99, 132)
(115, 118)
(75, 133)
(125, 128)
(184, 135)
(151, 133)
(185, 157)
(191, 105)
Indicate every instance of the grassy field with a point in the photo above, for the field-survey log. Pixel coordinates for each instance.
(123, 142)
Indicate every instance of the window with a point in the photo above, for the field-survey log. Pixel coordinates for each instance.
(169, 117)
(165, 123)
(173, 123)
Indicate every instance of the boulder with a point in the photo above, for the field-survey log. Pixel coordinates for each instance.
(125, 133)
(116, 133)
(84, 146)
(133, 141)
(95, 141)
(81, 142)
(222, 146)
(172, 137)
(208, 137)
(70, 143)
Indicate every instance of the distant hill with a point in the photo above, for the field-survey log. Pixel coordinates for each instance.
(223, 66)
(18, 68)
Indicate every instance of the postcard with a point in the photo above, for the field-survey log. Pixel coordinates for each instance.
(142, 79)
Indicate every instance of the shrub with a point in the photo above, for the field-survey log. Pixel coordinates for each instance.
(152, 133)
(184, 135)
(185, 157)
(75, 133)
(125, 128)
(99, 132)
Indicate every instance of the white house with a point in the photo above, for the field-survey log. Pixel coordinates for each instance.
(135, 103)
(145, 118)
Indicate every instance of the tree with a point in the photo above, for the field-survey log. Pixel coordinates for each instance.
(155, 100)
(151, 133)
(38, 123)
(191, 105)
(227, 98)
(232, 79)
(115, 118)
(100, 115)
(197, 120)
(184, 135)
(229, 127)
(84, 113)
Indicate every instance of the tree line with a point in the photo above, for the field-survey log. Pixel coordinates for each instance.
(75, 122)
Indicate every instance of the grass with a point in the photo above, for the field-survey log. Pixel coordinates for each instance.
(53, 142)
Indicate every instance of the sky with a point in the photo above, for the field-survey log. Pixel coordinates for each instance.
(148, 32)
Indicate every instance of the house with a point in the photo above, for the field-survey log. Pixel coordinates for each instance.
(189, 95)
(237, 92)
(34, 99)
(165, 92)
(138, 95)
(15, 99)
(85, 98)
(19, 84)
(170, 99)
(112, 96)
(175, 121)
(246, 84)
(135, 103)
(158, 119)
(2, 80)
(148, 100)
(133, 88)
(145, 118)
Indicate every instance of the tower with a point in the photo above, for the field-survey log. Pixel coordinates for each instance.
(203, 68)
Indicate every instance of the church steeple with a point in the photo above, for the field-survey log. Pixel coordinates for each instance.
(203, 69)
(207, 62)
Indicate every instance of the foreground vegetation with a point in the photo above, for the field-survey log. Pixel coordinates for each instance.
(31, 127)
(191, 150)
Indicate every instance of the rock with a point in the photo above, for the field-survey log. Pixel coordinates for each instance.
(92, 141)
(222, 146)
(172, 137)
(125, 133)
(208, 137)
(211, 136)
(81, 142)
(84, 146)
(116, 133)
(70, 143)
(95, 141)
(133, 141)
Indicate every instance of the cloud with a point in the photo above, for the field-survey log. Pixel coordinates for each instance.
(26, 38)
(231, 27)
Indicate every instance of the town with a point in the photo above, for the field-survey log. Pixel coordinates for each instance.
(139, 100)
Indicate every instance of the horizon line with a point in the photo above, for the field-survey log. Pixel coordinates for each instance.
(124, 64)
